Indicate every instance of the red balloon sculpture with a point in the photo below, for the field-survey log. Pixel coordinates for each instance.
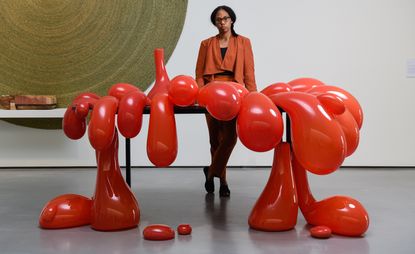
(325, 123)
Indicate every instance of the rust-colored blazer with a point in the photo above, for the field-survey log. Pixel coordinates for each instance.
(239, 59)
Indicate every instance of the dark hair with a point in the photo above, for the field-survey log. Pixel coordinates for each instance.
(229, 11)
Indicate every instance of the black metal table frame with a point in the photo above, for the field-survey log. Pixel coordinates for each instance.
(184, 110)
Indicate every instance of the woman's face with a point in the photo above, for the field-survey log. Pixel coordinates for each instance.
(223, 21)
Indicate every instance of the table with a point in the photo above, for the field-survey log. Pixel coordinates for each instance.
(59, 112)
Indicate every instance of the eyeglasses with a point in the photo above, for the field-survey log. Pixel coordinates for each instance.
(219, 20)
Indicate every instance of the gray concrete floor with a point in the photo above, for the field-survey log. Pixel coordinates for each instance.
(175, 195)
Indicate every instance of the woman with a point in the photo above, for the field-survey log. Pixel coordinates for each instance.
(226, 57)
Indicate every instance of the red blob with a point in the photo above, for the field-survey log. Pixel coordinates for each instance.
(350, 129)
(82, 110)
(240, 88)
(120, 90)
(183, 90)
(73, 126)
(102, 125)
(130, 113)
(318, 141)
(184, 229)
(158, 232)
(322, 232)
(276, 88)
(259, 123)
(65, 211)
(349, 101)
(222, 100)
(331, 103)
(304, 84)
(162, 134)
(90, 98)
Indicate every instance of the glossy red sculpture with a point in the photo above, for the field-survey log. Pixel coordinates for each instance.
(323, 132)
(158, 232)
(277, 207)
(342, 214)
(113, 206)
(325, 123)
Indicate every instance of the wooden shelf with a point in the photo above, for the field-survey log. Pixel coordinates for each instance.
(39, 113)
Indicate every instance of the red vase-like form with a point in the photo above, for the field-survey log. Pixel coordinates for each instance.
(343, 215)
(161, 84)
(277, 208)
(114, 206)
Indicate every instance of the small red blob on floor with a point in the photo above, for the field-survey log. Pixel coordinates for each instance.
(184, 229)
(158, 232)
(320, 232)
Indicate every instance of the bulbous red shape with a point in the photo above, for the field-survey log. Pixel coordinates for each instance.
(158, 232)
(321, 232)
(349, 101)
(102, 124)
(162, 134)
(240, 88)
(221, 99)
(350, 130)
(304, 84)
(82, 110)
(331, 103)
(65, 211)
(114, 206)
(130, 113)
(162, 82)
(90, 98)
(276, 88)
(183, 90)
(317, 139)
(184, 229)
(276, 209)
(343, 215)
(73, 126)
(83, 103)
(121, 89)
(259, 124)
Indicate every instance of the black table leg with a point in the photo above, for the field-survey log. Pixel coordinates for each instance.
(128, 161)
(287, 128)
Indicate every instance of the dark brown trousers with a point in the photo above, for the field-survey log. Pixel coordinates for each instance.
(222, 138)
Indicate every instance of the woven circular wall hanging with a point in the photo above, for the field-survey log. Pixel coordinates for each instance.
(65, 47)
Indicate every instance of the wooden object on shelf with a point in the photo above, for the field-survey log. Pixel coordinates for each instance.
(5, 101)
(35, 101)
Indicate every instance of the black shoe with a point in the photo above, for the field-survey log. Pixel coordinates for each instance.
(224, 191)
(209, 184)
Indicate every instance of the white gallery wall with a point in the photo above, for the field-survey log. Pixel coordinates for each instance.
(361, 46)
